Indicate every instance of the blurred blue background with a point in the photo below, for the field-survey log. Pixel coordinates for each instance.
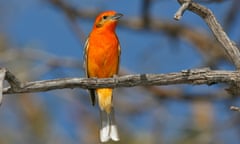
(41, 40)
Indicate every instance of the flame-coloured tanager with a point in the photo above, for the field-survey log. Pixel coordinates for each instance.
(102, 55)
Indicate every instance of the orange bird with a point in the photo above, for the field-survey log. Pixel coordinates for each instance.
(102, 54)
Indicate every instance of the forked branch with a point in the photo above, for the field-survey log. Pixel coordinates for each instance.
(217, 30)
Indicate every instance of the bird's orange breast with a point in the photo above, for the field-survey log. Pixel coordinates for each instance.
(103, 55)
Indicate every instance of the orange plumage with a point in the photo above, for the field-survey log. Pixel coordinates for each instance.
(102, 53)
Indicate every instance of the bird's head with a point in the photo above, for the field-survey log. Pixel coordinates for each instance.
(107, 19)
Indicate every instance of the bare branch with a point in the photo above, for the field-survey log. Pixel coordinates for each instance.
(2, 75)
(192, 76)
(12, 80)
(234, 108)
(229, 47)
(181, 10)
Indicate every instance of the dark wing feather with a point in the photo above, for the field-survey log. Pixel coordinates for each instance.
(91, 91)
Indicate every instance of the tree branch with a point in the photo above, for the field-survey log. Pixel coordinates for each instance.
(234, 108)
(2, 75)
(191, 76)
(229, 47)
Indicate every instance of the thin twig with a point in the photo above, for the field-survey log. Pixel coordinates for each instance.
(181, 10)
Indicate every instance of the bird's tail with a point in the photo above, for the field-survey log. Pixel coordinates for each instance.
(92, 95)
(108, 128)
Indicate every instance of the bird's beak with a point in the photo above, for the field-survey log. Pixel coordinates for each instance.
(116, 16)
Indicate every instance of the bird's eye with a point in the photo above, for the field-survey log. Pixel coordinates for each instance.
(104, 17)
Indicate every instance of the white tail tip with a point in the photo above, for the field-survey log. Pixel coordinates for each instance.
(114, 133)
(109, 132)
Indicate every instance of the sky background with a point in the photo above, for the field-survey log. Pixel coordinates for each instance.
(38, 25)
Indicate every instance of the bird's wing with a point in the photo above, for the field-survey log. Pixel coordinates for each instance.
(85, 57)
(119, 54)
(91, 91)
